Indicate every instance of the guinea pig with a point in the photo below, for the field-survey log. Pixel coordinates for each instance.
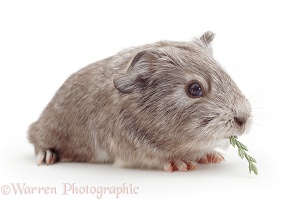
(164, 106)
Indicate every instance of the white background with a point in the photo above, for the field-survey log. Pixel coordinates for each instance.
(43, 42)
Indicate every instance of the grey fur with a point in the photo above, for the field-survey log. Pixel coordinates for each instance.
(132, 109)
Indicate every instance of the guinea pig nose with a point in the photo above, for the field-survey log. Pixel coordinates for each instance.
(240, 120)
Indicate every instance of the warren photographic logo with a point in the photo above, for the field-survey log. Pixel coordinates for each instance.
(70, 189)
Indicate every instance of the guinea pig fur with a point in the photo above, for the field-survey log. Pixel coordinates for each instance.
(165, 106)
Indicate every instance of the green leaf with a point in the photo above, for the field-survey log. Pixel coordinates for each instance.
(253, 168)
(233, 141)
(247, 157)
(238, 144)
(241, 153)
(243, 147)
(252, 159)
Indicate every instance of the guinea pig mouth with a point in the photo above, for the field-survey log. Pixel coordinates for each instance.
(233, 134)
(234, 130)
(238, 131)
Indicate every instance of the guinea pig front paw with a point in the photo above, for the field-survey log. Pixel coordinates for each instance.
(48, 156)
(213, 157)
(180, 165)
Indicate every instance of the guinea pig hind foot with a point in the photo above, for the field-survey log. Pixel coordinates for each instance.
(48, 156)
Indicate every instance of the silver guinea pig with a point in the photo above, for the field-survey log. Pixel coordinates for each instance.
(165, 106)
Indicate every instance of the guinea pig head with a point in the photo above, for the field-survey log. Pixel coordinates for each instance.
(181, 93)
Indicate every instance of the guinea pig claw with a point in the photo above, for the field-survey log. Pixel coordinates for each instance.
(40, 157)
(168, 167)
(191, 165)
(48, 156)
(180, 165)
(203, 160)
(214, 157)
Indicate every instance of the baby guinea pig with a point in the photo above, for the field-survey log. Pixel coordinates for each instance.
(164, 106)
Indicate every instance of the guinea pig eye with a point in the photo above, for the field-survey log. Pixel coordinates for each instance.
(194, 90)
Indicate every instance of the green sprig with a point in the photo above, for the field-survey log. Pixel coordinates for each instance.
(242, 151)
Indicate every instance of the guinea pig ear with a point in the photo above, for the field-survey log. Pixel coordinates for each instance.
(206, 38)
(138, 73)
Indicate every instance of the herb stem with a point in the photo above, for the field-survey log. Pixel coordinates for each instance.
(242, 151)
